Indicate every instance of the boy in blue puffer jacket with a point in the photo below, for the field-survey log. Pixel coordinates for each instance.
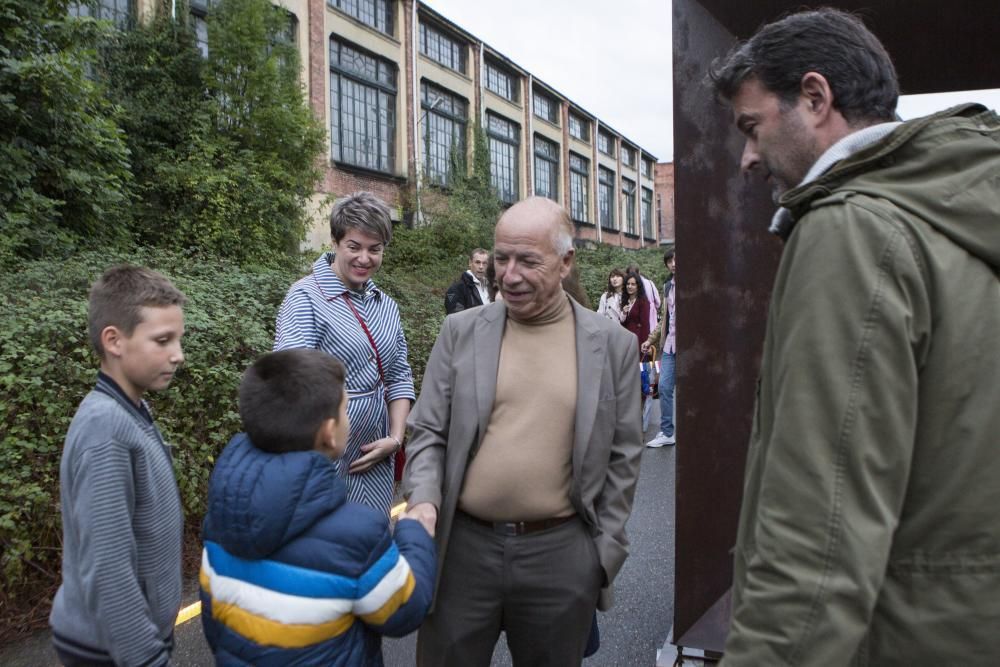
(293, 574)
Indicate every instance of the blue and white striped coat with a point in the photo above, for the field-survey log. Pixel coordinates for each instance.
(315, 315)
(293, 574)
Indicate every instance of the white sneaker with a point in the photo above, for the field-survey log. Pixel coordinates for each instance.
(661, 439)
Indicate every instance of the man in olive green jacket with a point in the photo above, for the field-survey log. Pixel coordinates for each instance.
(870, 526)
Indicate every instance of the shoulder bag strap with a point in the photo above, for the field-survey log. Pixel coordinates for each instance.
(371, 340)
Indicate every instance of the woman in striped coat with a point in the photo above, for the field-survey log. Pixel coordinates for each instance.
(338, 309)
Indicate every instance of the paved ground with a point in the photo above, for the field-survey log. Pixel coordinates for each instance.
(631, 633)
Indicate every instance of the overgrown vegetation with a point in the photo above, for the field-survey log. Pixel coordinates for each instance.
(110, 138)
(64, 171)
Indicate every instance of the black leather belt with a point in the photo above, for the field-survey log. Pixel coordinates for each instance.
(514, 528)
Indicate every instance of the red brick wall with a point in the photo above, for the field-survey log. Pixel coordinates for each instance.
(586, 233)
(663, 199)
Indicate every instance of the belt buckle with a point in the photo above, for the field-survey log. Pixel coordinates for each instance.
(509, 528)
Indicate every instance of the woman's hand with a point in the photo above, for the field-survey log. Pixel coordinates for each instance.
(373, 453)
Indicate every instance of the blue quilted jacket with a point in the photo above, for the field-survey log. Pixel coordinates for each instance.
(293, 574)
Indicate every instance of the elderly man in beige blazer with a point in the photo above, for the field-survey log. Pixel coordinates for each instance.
(524, 456)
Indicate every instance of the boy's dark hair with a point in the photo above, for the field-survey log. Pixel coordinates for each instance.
(667, 256)
(285, 396)
(827, 41)
(118, 297)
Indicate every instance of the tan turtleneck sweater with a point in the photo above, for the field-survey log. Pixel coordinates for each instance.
(523, 469)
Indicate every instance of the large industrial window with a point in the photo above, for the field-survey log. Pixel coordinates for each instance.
(606, 198)
(362, 108)
(579, 177)
(628, 206)
(374, 13)
(605, 143)
(579, 128)
(501, 82)
(628, 156)
(504, 140)
(442, 48)
(646, 210)
(445, 118)
(118, 12)
(647, 168)
(546, 168)
(545, 107)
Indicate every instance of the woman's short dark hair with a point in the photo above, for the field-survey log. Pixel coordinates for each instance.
(828, 41)
(285, 396)
(362, 211)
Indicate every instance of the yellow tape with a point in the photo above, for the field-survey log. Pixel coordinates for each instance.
(188, 612)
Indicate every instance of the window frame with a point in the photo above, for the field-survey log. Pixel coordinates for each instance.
(496, 141)
(584, 127)
(459, 123)
(122, 19)
(628, 206)
(628, 156)
(380, 87)
(458, 47)
(358, 14)
(605, 143)
(496, 72)
(551, 161)
(646, 212)
(541, 98)
(606, 198)
(579, 171)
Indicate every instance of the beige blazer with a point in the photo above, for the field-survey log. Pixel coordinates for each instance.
(456, 399)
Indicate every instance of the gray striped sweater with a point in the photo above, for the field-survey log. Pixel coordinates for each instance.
(122, 533)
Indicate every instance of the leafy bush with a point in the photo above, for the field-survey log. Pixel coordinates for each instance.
(63, 162)
(223, 149)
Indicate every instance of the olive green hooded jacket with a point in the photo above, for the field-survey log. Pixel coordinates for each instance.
(870, 526)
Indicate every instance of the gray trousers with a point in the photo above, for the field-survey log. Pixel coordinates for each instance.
(540, 589)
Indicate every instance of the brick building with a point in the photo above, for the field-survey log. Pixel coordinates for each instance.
(401, 89)
(663, 189)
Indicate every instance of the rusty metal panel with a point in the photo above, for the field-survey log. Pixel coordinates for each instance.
(936, 47)
(726, 264)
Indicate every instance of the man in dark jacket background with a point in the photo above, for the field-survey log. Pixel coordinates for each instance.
(470, 290)
(869, 533)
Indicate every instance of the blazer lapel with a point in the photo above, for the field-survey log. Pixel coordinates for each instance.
(486, 339)
(590, 341)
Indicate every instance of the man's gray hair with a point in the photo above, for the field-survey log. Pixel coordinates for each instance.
(364, 212)
(562, 234)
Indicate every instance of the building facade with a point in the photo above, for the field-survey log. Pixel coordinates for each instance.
(663, 187)
(401, 90)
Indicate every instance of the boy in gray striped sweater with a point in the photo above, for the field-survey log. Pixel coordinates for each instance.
(121, 510)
